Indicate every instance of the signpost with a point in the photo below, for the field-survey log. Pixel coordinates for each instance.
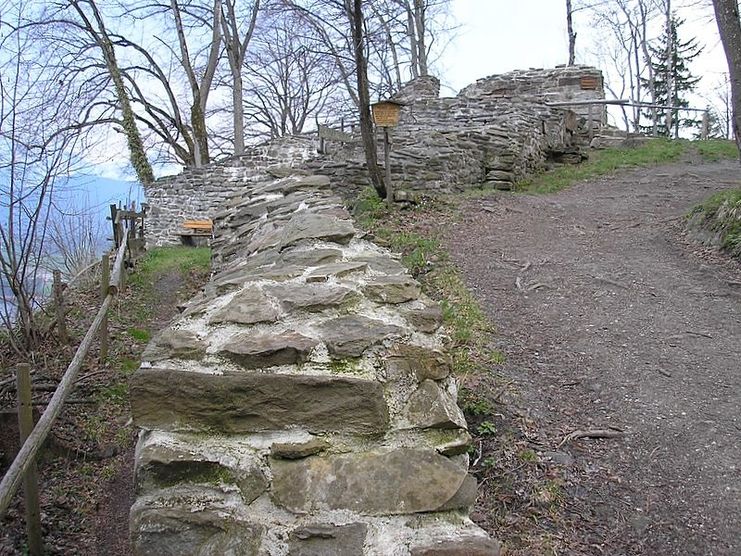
(386, 115)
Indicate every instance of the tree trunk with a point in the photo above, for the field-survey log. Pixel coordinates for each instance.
(572, 35)
(133, 138)
(729, 26)
(366, 125)
(419, 21)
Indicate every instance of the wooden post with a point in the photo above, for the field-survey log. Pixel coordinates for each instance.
(705, 126)
(59, 302)
(387, 161)
(30, 479)
(104, 283)
(113, 225)
(589, 123)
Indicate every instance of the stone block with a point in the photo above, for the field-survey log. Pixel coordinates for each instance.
(351, 335)
(309, 226)
(298, 450)
(423, 363)
(425, 316)
(462, 546)
(249, 306)
(311, 297)
(429, 407)
(253, 351)
(403, 481)
(174, 344)
(392, 289)
(327, 539)
(338, 270)
(239, 402)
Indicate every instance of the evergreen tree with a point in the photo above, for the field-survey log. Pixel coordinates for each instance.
(672, 78)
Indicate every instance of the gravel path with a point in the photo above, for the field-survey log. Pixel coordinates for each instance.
(609, 318)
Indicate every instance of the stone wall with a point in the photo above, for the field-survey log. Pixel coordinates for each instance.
(199, 193)
(303, 403)
(494, 133)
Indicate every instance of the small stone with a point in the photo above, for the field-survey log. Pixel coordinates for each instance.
(560, 458)
(338, 270)
(462, 546)
(351, 335)
(311, 297)
(293, 450)
(266, 350)
(406, 360)
(431, 408)
(426, 317)
(174, 344)
(382, 264)
(324, 540)
(456, 446)
(392, 289)
(309, 257)
(249, 306)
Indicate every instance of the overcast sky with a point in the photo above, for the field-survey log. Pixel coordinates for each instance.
(496, 36)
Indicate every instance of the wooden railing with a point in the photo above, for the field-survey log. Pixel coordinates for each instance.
(23, 467)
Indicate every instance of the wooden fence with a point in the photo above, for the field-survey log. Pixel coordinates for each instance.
(128, 237)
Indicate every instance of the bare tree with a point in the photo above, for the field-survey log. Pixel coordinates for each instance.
(236, 42)
(729, 26)
(38, 145)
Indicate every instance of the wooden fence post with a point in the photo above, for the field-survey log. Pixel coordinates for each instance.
(30, 479)
(104, 283)
(59, 302)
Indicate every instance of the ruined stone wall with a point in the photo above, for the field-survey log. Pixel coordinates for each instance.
(199, 193)
(303, 403)
(494, 133)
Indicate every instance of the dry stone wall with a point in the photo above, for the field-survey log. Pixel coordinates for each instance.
(303, 403)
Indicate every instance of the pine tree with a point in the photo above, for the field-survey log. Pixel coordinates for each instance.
(672, 78)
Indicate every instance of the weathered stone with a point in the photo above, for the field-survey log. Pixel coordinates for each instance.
(427, 317)
(315, 226)
(382, 264)
(392, 289)
(309, 257)
(294, 450)
(465, 498)
(238, 402)
(324, 272)
(174, 344)
(456, 445)
(324, 540)
(249, 306)
(185, 530)
(404, 481)
(463, 546)
(351, 335)
(163, 466)
(277, 273)
(431, 408)
(254, 351)
(406, 359)
(311, 297)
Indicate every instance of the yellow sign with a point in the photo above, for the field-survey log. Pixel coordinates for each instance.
(386, 114)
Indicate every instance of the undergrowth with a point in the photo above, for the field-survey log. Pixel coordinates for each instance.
(721, 213)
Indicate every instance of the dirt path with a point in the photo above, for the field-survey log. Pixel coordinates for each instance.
(608, 318)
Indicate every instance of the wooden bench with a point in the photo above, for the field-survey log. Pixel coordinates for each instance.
(194, 232)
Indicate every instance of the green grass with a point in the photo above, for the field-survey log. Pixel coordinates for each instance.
(721, 212)
(601, 163)
(164, 259)
(716, 149)
(139, 335)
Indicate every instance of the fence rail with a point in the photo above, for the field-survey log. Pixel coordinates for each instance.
(26, 457)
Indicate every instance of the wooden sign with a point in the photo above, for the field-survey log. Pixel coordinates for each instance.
(386, 113)
(589, 83)
(335, 135)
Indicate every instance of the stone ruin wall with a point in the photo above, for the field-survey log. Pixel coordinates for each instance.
(493, 133)
(303, 403)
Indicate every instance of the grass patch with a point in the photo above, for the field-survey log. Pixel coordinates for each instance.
(166, 259)
(721, 213)
(605, 162)
(716, 149)
(139, 335)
